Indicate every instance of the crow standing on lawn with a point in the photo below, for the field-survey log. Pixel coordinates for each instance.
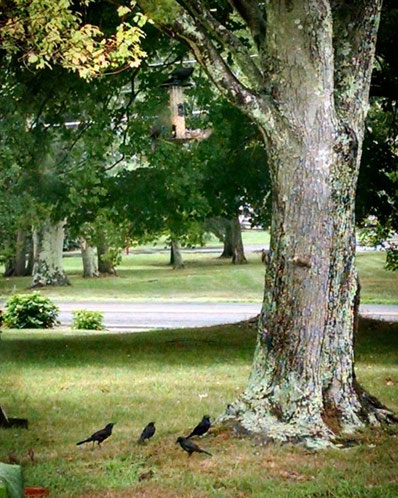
(203, 426)
(190, 447)
(147, 433)
(99, 436)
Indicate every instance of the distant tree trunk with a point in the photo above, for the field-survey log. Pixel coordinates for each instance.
(238, 257)
(9, 268)
(176, 256)
(228, 231)
(228, 250)
(47, 247)
(89, 258)
(29, 266)
(105, 266)
(20, 254)
(15, 266)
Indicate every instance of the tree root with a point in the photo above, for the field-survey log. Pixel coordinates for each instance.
(373, 411)
(265, 423)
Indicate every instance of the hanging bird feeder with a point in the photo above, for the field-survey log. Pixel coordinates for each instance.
(176, 84)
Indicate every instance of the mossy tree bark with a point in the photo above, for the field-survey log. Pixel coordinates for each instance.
(308, 92)
(47, 254)
(89, 259)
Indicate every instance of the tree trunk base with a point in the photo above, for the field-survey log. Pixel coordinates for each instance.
(49, 278)
(239, 259)
(264, 420)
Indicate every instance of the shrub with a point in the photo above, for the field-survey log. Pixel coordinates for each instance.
(89, 320)
(30, 311)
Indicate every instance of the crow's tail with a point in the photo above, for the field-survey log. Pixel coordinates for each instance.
(82, 442)
(207, 452)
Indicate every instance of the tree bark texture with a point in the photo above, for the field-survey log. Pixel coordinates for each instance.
(302, 384)
(308, 92)
(89, 259)
(47, 254)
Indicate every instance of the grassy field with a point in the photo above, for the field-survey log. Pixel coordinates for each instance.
(205, 278)
(70, 384)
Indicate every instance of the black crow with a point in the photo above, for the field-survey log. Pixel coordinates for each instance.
(99, 436)
(203, 426)
(179, 75)
(147, 433)
(190, 447)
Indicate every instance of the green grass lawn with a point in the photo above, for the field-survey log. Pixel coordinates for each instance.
(70, 384)
(205, 278)
(249, 237)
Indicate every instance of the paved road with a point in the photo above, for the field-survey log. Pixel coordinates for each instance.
(147, 315)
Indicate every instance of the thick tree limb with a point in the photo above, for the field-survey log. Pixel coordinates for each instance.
(252, 14)
(186, 29)
(227, 39)
(355, 28)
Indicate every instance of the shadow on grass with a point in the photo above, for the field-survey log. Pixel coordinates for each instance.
(71, 384)
(205, 346)
(201, 346)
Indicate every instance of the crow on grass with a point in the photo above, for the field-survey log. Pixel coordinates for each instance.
(147, 433)
(201, 429)
(190, 447)
(99, 436)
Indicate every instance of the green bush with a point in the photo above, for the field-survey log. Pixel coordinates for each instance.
(30, 311)
(89, 320)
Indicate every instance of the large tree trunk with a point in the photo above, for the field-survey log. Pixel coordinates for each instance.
(238, 257)
(89, 259)
(47, 248)
(308, 92)
(302, 385)
(176, 256)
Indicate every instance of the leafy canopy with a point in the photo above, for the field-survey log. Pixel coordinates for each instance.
(44, 33)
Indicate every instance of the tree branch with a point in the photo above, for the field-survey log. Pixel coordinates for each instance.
(227, 39)
(251, 12)
(187, 30)
(355, 27)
